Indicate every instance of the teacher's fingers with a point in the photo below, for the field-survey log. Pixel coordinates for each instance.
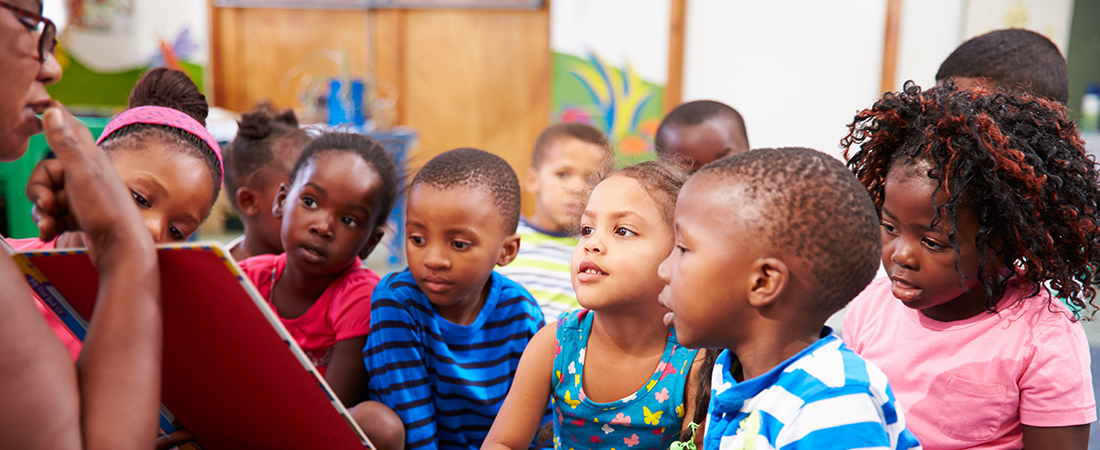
(69, 139)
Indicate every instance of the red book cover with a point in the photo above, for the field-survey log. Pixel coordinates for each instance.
(232, 374)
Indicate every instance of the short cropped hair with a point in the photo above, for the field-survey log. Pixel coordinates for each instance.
(372, 153)
(1013, 59)
(812, 208)
(695, 113)
(476, 169)
(578, 131)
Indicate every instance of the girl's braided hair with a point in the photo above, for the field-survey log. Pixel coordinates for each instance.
(1015, 159)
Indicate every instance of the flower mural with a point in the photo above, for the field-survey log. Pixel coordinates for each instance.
(613, 99)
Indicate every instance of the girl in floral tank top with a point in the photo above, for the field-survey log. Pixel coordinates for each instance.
(647, 419)
(615, 372)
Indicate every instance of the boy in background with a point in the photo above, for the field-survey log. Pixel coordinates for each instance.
(769, 244)
(1012, 59)
(567, 159)
(701, 131)
(447, 333)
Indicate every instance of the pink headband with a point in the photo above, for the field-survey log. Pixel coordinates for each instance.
(159, 115)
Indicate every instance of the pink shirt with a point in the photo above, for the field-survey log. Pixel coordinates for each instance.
(972, 383)
(342, 312)
(62, 332)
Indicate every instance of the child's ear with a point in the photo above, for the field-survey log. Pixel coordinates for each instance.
(280, 200)
(509, 250)
(767, 281)
(247, 202)
(372, 242)
(531, 183)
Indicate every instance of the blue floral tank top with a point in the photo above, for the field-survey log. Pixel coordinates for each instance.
(650, 418)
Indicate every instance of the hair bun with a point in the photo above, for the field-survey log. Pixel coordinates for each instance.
(287, 117)
(170, 88)
(263, 120)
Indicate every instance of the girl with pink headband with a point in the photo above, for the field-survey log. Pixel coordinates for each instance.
(164, 155)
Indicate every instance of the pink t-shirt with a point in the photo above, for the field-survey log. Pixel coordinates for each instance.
(972, 383)
(63, 333)
(342, 311)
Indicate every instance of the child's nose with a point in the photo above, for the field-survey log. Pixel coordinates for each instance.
(436, 259)
(592, 244)
(156, 229)
(664, 271)
(903, 254)
(322, 228)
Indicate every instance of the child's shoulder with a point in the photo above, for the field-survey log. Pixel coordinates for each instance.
(355, 286)
(832, 367)
(259, 266)
(400, 282)
(360, 276)
(513, 298)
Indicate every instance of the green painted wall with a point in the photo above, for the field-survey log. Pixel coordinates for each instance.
(1083, 55)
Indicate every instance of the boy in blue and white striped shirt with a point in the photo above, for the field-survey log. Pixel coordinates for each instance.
(769, 244)
(447, 334)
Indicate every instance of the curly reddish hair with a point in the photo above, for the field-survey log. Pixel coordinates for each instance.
(1014, 159)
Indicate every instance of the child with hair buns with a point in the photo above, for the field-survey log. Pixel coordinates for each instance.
(257, 162)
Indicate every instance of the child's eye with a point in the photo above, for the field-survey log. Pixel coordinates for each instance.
(176, 234)
(416, 240)
(681, 249)
(933, 245)
(888, 228)
(621, 231)
(350, 221)
(139, 199)
(563, 175)
(459, 245)
(586, 230)
(309, 201)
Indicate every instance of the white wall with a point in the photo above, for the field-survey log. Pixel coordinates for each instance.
(930, 30)
(797, 70)
(134, 38)
(618, 31)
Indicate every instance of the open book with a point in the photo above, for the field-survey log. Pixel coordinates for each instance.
(232, 374)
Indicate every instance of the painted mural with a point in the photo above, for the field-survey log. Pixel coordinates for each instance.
(610, 69)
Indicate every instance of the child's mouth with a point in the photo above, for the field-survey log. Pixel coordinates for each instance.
(312, 254)
(904, 290)
(435, 284)
(589, 271)
(667, 319)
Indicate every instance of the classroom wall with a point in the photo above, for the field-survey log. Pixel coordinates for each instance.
(796, 70)
(462, 78)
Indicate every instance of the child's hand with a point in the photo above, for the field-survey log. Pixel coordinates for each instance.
(80, 190)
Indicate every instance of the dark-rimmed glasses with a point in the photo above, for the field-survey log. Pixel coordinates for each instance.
(47, 31)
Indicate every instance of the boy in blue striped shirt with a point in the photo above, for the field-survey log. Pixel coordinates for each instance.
(769, 244)
(447, 333)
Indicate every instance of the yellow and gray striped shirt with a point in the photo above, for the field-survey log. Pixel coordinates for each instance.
(542, 267)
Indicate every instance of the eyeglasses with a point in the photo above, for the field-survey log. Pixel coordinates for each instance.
(47, 31)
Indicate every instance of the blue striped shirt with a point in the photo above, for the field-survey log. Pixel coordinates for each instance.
(825, 397)
(446, 381)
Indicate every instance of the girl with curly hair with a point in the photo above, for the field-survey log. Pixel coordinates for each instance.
(990, 238)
